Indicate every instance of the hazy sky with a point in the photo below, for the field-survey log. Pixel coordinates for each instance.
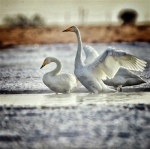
(67, 11)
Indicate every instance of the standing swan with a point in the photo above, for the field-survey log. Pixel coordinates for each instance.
(106, 65)
(122, 78)
(59, 83)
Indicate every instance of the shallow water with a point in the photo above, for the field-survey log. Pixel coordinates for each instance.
(74, 99)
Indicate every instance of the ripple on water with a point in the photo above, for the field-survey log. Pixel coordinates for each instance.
(108, 126)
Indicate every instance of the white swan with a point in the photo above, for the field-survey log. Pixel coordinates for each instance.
(106, 65)
(59, 83)
(122, 78)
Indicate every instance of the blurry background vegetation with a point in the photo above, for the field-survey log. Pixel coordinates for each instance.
(126, 17)
(21, 20)
(77, 12)
(42, 21)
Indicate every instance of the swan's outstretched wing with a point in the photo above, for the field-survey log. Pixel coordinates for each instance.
(108, 63)
(90, 54)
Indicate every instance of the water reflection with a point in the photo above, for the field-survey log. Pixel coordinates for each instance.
(56, 100)
(136, 97)
(76, 99)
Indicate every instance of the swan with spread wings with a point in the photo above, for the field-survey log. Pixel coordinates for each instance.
(104, 66)
(121, 79)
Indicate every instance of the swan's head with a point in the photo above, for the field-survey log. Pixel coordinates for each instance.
(46, 61)
(71, 29)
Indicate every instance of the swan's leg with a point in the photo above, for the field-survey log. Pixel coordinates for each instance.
(95, 91)
(105, 88)
(92, 90)
(68, 92)
(119, 88)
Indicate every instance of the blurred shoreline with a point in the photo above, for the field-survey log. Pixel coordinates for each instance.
(12, 36)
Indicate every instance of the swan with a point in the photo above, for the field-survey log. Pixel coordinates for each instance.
(104, 66)
(122, 78)
(59, 83)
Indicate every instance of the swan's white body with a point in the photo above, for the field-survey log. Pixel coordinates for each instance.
(106, 65)
(122, 78)
(59, 82)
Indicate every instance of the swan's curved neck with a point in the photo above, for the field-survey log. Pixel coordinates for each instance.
(58, 67)
(78, 59)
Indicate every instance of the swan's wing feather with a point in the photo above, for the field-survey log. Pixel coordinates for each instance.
(108, 63)
(90, 53)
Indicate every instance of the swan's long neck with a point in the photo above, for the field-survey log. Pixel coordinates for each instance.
(58, 67)
(78, 59)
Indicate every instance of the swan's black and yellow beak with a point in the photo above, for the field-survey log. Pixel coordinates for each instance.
(44, 63)
(67, 30)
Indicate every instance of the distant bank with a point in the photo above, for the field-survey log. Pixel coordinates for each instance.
(90, 34)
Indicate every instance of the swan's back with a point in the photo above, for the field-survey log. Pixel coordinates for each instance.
(124, 78)
(61, 83)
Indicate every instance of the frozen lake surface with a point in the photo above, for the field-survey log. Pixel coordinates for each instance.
(32, 116)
